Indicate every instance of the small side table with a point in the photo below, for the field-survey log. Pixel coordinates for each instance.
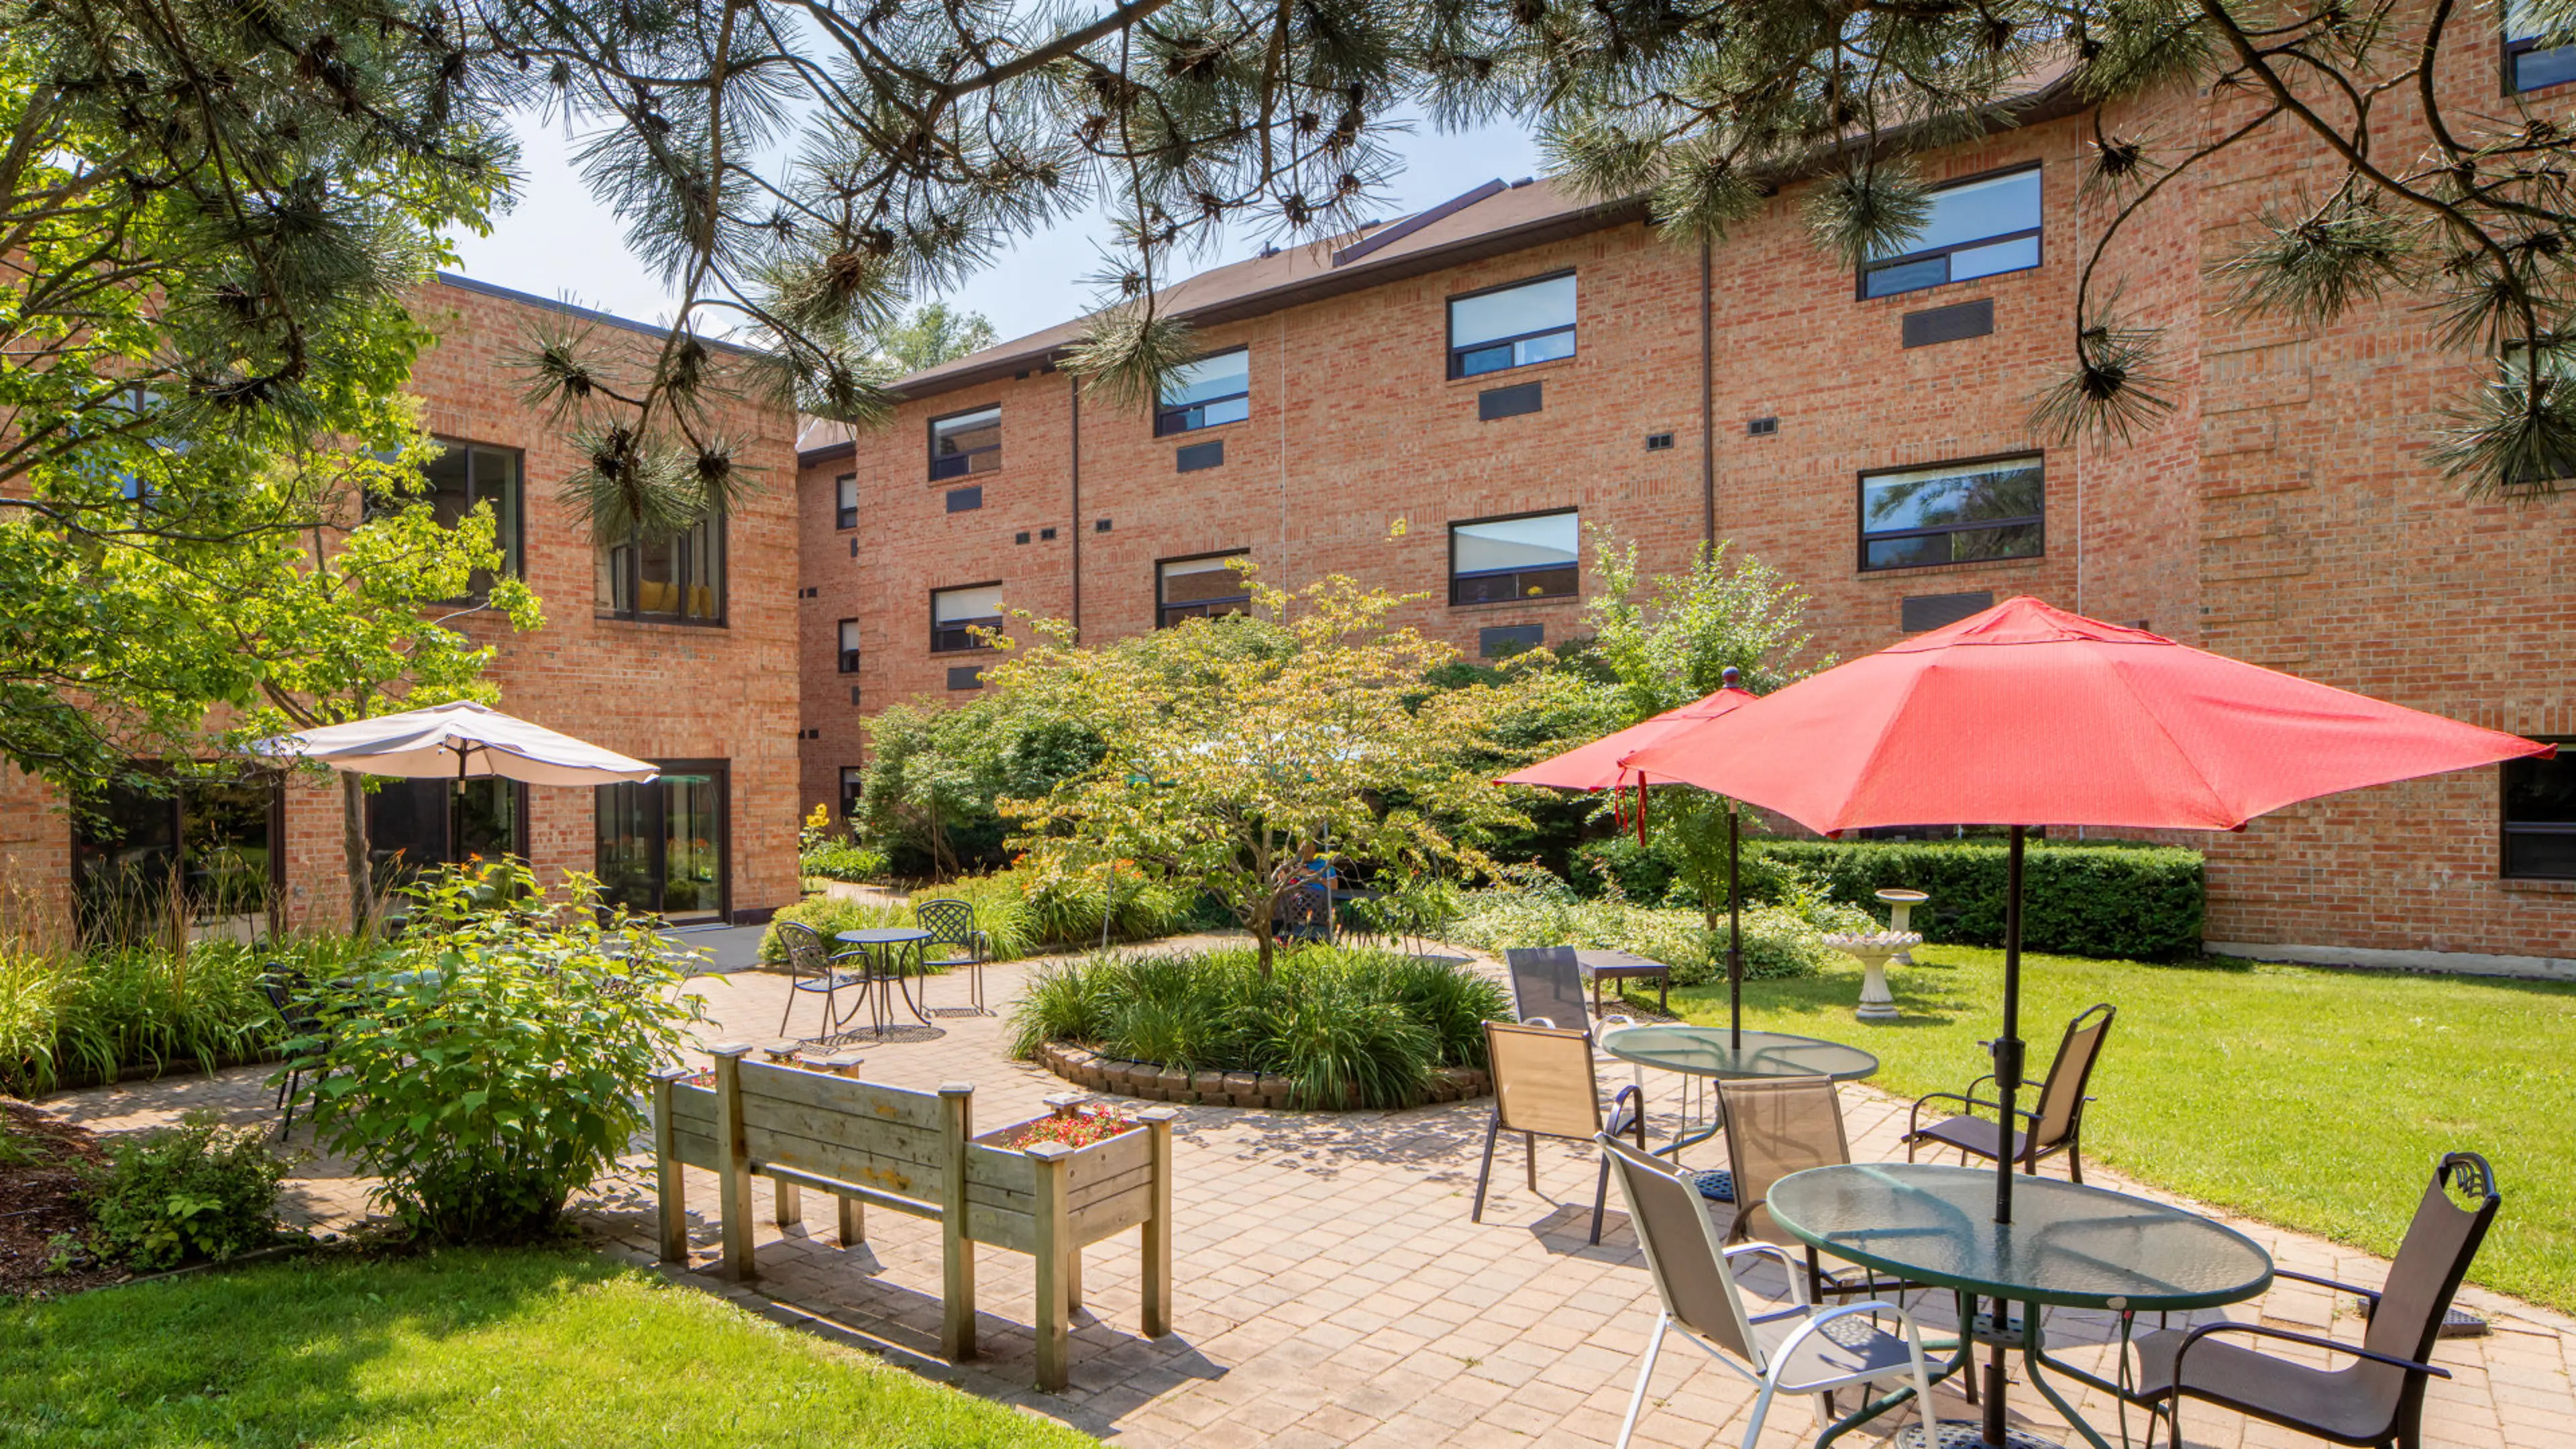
(1900, 904)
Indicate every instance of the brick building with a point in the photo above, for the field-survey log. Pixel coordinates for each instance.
(682, 654)
(1444, 403)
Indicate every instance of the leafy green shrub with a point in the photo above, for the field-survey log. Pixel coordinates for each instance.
(1536, 909)
(1026, 910)
(1651, 875)
(2135, 902)
(501, 1068)
(1348, 1026)
(843, 860)
(191, 1193)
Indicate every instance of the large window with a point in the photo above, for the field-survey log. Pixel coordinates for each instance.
(1205, 393)
(667, 580)
(662, 843)
(465, 474)
(215, 841)
(2540, 816)
(2528, 65)
(1955, 513)
(964, 443)
(1976, 229)
(849, 642)
(1511, 326)
(1198, 588)
(1501, 559)
(956, 613)
(416, 824)
(845, 501)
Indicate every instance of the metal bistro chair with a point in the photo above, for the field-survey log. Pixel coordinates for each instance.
(2057, 1124)
(1547, 986)
(1544, 1086)
(2377, 1400)
(956, 943)
(812, 967)
(1776, 1126)
(1801, 1349)
(289, 994)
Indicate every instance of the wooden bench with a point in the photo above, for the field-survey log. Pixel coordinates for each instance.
(917, 1153)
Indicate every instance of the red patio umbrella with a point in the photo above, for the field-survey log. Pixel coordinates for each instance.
(1596, 767)
(2029, 715)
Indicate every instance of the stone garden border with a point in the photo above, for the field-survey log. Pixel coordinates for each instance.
(1155, 1082)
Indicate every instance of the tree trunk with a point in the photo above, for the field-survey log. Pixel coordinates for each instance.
(353, 833)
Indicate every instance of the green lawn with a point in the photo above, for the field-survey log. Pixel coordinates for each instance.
(460, 1348)
(2312, 1098)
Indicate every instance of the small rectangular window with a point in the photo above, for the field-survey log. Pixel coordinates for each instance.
(1199, 588)
(1199, 457)
(849, 646)
(664, 580)
(845, 501)
(2528, 65)
(956, 613)
(2540, 816)
(1501, 559)
(465, 474)
(1953, 513)
(964, 443)
(854, 781)
(1205, 393)
(1976, 229)
(1511, 326)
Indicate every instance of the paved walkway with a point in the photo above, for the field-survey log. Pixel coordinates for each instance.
(1330, 1290)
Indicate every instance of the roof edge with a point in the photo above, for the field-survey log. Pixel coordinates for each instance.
(465, 283)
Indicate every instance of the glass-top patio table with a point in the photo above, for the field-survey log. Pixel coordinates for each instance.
(1714, 1052)
(2067, 1246)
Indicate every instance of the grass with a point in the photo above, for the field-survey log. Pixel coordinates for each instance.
(505, 1349)
(2312, 1098)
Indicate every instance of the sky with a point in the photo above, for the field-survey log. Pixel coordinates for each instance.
(556, 242)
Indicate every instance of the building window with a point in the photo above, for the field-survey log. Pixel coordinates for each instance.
(1511, 326)
(662, 843)
(415, 824)
(2529, 65)
(1976, 229)
(849, 646)
(1534, 556)
(845, 501)
(1955, 513)
(854, 781)
(956, 613)
(465, 474)
(2540, 816)
(963, 443)
(667, 580)
(214, 841)
(1199, 588)
(1205, 393)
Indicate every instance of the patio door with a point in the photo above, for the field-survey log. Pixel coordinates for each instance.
(663, 843)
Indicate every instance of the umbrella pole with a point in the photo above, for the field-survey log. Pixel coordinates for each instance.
(2008, 1047)
(1734, 940)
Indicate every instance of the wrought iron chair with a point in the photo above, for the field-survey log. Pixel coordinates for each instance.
(1547, 986)
(1801, 1349)
(1544, 1086)
(954, 942)
(2057, 1123)
(2378, 1398)
(289, 994)
(813, 968)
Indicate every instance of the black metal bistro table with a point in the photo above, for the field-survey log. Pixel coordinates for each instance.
(2067, 1246)
(1715, 1052)
(886, 947)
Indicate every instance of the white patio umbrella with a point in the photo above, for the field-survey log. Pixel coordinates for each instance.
(460, 740)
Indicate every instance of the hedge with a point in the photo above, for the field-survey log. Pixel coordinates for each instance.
(2138, 902)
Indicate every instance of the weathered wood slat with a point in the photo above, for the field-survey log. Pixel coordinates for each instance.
(866, 1100)
(1104, 1189)
(696, 1150)
(1001, 1228)
(857, 1191)
(999, 1169)
(795, 1153)
(878, 1139)
(1109, 1217)
(1130, 1151)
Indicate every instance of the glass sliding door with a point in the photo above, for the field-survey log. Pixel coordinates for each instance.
(662, 844)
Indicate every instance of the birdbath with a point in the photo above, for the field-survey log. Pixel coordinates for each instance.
(1871, 949)
(1900, 904)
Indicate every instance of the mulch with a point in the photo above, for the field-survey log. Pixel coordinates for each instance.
(40, 1184)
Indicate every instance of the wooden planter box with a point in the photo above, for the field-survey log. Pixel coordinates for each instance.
(916, 1153)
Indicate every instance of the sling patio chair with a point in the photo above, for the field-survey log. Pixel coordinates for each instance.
(954, 942)
(2378, 1397)
(1544, 1086)
(1776, 1126)
(290, 995)
(1547, 986)
(813, 969)
(1800, 1349)
(2056, 1124)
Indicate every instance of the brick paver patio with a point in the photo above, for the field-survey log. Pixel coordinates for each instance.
(1330, 1290)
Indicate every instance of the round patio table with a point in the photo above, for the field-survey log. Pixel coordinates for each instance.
(1712, 1052)
(2067, 1246)
(886, 947)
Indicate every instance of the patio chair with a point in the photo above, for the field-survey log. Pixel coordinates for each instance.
(1544, 1086)
(2378, 1399)
(2056, 1121)
(1776, 1126)
(1547, 986)
(954, 943)
(1800, 1349)
(289, 994)
(813, 968)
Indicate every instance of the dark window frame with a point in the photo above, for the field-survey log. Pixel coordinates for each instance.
(1165, 428)
(842, 649)
(722, 772)
(176, 802)
(447, 823)
(1860, 278)
(2506, 829)
(959, 626)
(634, 579)
(1449, 327)
(1576, 567)
(1863, 535)
(845, 516)
(1164, 618)
(965, 460)
(2513, 50)
(851, 790)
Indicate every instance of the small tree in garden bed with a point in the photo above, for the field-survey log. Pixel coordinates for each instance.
(1241, 753)
(498, 1064)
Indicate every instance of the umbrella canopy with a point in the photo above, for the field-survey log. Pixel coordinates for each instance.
(1596, 766)
(2028, 715)
(458, 741)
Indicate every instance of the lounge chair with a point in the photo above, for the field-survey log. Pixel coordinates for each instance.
(1544, 1086)
(2056, 1121)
